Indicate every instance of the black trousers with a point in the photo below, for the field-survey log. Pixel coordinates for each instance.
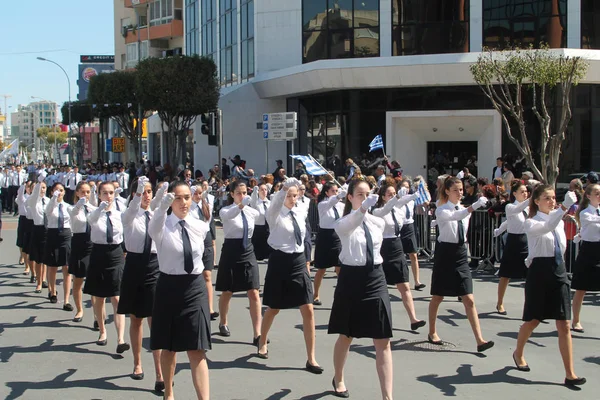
(12, 194)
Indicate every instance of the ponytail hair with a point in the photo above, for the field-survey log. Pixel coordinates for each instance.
(326, 187)
(353, 184)
(448, 183)
(585, 201)
(537, 193)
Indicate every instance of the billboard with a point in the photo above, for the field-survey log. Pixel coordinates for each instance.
(97, 59)
(87, 146)
(86, 72)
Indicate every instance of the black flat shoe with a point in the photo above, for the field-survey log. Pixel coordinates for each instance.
(343, 394)
(224, 330)
(78, 319)
(37, 291)
(420, 286)
(501, 312)
(54, 299)
(575, 382)
(578, 330)
(32, 279)
(159, 387)
(317, 302)
(96, 326)
(137, 377)
(257, 339)
(122, 348)
(44, 285)
(68, 307)
(522, 368)
(214, 316)
(483, 347)
(102, 342)
(264, 356)
(436, 342)
(417, 325)
(313, 369)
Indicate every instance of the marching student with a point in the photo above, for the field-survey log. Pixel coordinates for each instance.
(515, 250)
(260, 203)
(287, 282)
(586, 274)
(303, 202)
(327, 244)
(361, 304)
(547, 292)
(451, 273)
(238, 269)
(36, 203)
(180, 318)
(389, 207)
(58, 243)
(409, 238)
(106, 263)
(81, 244)
(24, 227)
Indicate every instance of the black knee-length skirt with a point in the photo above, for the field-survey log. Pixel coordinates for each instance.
(586, 274)
(513, 257)
(22, 225)
(238, 269)
(547, 291)
(409, 239)
(259, 241)
(105, 271)
(327, 249)
(37, 243)
(138, 285)
(308, 242)
(81, 250)
(180, 317)
(208, 257)
(451, 274)
(26, 228)
(361, 304)
(58, 247)
(394, 264)
(287, 283)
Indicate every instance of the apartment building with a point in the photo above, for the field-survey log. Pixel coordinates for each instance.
(28, 118)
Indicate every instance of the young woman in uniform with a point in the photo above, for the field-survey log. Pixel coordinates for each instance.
(180, 317)
(451, 273)
(37, 205)
(547, 292)
(260, 203)
(409, 238)
(25, 226)
(303, 202)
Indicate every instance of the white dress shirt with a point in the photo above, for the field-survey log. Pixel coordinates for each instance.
(410, 207)
(120, 203)
(326, 213)
(353, 239)
(37, 205)
(590, 224)
(123, 179)
(515, 217)
(134, 226)
(281, 226)
(72, 180)
(385, 213)
(4, 180)
(79, 217)
(540, 239)
(97, 220)
(304, 203)
(18, 178)
(166, 233)
(447, 220)
(259, 205)
(21, 201)
(196, 211)
(52, 209)
(112, 177)
(232, 221)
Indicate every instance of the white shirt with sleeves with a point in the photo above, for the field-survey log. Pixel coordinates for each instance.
(21, 201)
(354, 242)
(79, 217)
(134, 226)
(52, 211)
(123, 179)
(385, 213)
(540, 239)
(410, 206)
(259, 205)
(515, 217)
(281, 225)
(304, 203)
(98, 224)
(447, 218)
(37, 205)
(232, 221)
(590, 224)
(72, 180)
(196, 211)
(326, 213)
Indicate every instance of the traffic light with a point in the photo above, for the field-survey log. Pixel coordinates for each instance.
(206, 121)
(213, 137)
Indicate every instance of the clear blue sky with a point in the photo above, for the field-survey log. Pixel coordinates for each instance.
(59, 30)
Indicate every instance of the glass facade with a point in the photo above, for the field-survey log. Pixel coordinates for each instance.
(524, 22)
(208, 28)
(590, 24)
(161, 12)
(339, 29)
(192, 28)
(228, 62)
(247, 38)
(430, 26)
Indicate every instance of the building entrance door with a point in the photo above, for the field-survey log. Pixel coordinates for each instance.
(450, 158)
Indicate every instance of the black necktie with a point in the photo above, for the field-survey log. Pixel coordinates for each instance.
(557, 250)
(87, 224)
(297, 232)
(336, 212)
(525, 214)
(396, 224)
(147, 239)
(370, 259)
(265, 206)
(117, 205)
(598, 212)
(244, 230)
(461, 230)
(109, 229)
(200, 214)
(188, 259)
(69, 183)
(407, 212)
(61, 218)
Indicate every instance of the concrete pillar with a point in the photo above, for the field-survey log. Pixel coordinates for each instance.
(476, 25)
(385, 28)
(574, 24)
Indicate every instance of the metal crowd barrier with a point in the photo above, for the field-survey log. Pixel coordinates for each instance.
(313, 218)
(426, 234)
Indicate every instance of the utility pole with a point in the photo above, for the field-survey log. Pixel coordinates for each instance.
(6, 96)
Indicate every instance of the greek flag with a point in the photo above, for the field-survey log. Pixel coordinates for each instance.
(423, 194)
(376, 144)
(312, 166)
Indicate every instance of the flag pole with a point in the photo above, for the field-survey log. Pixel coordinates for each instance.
(328, 173)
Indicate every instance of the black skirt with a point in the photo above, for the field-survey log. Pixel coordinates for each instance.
(180, 317)
(105, 271)
(259, 241)
(138, 285)
(213, 229)
(394, 264)
(547, 292)
(287, 283)
(22, 225)
(586, 274)
(81, 250)
(58, 248)
(513, 257)
(327, 249)
(37, 243)
(27, 228)
(361, 304)
(238, 269)
(409, 239)
(451, 274)
(308, 242)
(208, 257)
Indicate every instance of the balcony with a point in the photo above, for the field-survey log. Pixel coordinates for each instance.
(163, 31)
(133, 3)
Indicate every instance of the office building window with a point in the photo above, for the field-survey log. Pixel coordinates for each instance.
(524, 23)
(161, 12)
(247, 35)
(430, 26)
(339, 29)
(132, 53)
(208, 28)
(590, 24)
(228, 42)
(191, 27)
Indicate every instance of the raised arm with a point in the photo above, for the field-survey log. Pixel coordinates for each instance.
(254, 198)
(35, 195)
(589, 218)
(275, 208)
(512, 209)
(94, 196)
(230, 212)
(160, 193)
(388, 207)
(157, 222)
(350, 222)
(94, 216)
(539, 228)
(132, 210)
(328, 204)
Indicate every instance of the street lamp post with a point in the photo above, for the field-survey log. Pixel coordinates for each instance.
(69, 83)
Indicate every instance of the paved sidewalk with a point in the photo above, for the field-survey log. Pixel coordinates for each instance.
(44, 355)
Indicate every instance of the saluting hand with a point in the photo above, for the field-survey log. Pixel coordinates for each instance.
(167, 201)
(246, 200)
(342, 194)
(80, 203)
(369, 202)
(482, 201)
(103, 205)
(570, 199)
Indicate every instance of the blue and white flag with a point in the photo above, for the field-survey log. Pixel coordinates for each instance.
(423, 194)
(311, 165)
(376, 144)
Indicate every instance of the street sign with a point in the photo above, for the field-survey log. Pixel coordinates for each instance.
(280, 126)
(118, 145)
(108, 145)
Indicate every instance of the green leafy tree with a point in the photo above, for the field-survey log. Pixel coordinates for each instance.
(507, 77)
(179, 89)
(53, 136)
(81, 114)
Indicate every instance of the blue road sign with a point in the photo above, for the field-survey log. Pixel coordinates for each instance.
(265, 135)
(265, 117)
(265, 126)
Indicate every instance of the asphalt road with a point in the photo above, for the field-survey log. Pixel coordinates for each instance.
(44, 355)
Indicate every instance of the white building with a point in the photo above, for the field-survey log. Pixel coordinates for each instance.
(355, 69)
(27, 119)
